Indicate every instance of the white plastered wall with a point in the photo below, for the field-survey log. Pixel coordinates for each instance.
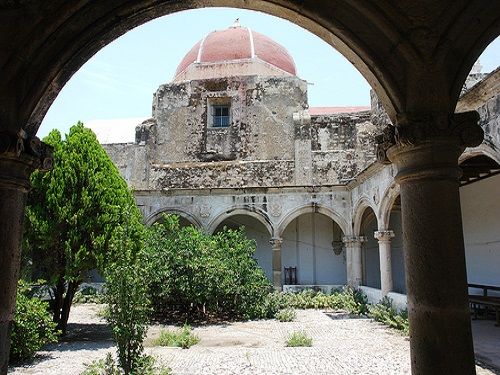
(307, 245)
(481, 221)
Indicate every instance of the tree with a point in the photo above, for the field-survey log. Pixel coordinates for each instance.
(73, 212)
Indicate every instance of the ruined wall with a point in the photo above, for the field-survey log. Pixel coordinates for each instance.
(261, 119)
(271, 141)
(341, 146)
(489, 120)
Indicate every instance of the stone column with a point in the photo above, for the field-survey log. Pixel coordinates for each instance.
(276, 244)
(354, 261)
(384, 249)
(426, 151)
(18, 158)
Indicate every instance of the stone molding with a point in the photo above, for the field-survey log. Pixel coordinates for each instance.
(353, 240)
(384, 235)
(276, 242)
(20, 155)
(416, 128)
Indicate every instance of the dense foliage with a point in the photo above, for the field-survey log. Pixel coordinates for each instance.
(72, 214)
(348, 299)
(200, 275)
(32, 327)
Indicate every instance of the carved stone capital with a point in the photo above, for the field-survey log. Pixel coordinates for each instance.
(20, 155)
(416, 128)
(353, 240)
(383, 142)
(384, 235)
(276, 242)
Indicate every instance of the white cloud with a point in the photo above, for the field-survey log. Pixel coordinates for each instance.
(121, 130)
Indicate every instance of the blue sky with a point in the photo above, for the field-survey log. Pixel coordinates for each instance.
(119, 81)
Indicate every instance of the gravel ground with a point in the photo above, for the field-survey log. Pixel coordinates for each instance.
(341, 345)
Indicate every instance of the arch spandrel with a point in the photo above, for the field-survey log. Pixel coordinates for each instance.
(259, 215)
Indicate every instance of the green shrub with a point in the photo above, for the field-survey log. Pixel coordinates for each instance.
(32, 327)
(286, 315)
(107, 366)
(200, 275)
(386, 313)
(298, 338)
(352, 300)
(349, 299)
(182, 338)
(128, 304)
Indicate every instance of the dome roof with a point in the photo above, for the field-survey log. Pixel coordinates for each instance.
(236, 45)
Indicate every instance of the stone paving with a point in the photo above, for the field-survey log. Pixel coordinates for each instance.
(341, 345)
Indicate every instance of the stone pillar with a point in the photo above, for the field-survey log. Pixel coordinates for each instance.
(354, 261)
(384, 249)
(426, 151)
(276, 244)
(18, 158)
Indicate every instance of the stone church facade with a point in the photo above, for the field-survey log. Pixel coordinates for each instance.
(232, 142)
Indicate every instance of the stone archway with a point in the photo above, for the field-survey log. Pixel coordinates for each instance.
(416, 57)
(311, 244)
(185, 217)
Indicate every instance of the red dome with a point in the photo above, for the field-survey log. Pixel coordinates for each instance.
(238, 43)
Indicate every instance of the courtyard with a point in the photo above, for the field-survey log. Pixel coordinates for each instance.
(342, 344)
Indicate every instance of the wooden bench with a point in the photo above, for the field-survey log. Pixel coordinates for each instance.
(485, 301)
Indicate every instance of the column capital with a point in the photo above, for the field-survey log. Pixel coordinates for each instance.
(276, 241)
(20, 155)
(383, 235)
(415, 128)
(351, 240)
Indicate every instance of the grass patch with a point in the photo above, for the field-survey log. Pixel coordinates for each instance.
(286, 315)
(298, 338)
(182, 338)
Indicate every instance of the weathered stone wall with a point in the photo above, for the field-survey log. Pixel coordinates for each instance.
(261, 119)
(272, 140)
(341, 146)
(489, 120)
(238, 174)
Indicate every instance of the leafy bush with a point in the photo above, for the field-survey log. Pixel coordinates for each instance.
(128, 304)
(32, 327)
(197, 274)
(349, 299)
(385, 313)
(352, 300)
(286, 315)
(298, 338)
(88, 294)
(182, 338)
(107, 366)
